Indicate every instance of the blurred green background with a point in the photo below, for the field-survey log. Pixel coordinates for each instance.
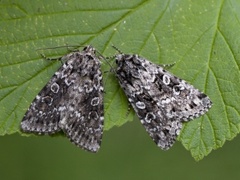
(126, 153)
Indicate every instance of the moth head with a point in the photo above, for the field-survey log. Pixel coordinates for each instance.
(119, 58)
(89, 49)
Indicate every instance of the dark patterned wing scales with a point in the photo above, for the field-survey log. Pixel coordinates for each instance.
(161, 100)
(180, 99)
(43, 114)
(83, 119)
(71, 101)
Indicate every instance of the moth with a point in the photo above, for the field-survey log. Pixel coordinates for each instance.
(72, 102)
(161, 100)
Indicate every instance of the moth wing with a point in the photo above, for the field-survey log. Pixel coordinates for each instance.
(82, 118)
(43, 114)
(161, 128)
(180, 99)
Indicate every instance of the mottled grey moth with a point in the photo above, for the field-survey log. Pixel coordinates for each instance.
(161, 100)
(72, 102)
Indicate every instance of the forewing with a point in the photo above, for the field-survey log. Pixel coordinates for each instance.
(43, 114)
(179, 99)
(82, 118)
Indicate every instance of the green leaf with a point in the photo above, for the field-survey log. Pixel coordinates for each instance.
(201, 37)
